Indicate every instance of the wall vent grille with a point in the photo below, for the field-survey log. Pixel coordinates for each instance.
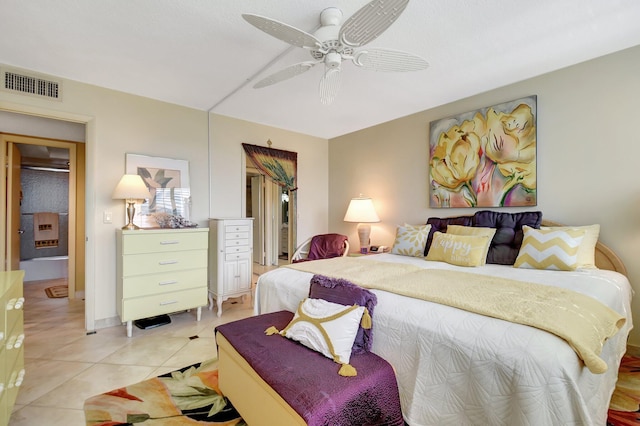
(31, 85)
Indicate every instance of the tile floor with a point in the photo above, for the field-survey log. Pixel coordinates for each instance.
(65, 366)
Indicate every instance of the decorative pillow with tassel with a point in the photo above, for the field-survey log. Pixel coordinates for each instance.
(328, 328)
(338, 290)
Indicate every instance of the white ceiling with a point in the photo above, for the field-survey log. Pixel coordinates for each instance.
(202, 54)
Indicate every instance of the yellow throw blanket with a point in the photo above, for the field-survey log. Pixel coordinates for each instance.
(582, 321)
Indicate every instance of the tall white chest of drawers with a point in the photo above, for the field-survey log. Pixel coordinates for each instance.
(230, 259)
(160, 271)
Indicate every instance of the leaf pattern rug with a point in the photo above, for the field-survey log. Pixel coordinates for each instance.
(189, 396)
(624, 409)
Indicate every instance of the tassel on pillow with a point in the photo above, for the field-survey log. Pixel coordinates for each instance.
(271, 331)
(347, 370)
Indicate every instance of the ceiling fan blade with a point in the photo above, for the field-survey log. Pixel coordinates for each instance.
(388, 60)
(282, 31)
(370, 21)
(330, 85)
(285, 73)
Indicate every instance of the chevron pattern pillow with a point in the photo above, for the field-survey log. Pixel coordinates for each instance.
(550, 249)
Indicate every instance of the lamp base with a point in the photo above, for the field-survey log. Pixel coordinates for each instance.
(131, 211)
(364, 231)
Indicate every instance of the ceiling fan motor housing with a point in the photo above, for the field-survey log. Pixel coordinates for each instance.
(333, 60)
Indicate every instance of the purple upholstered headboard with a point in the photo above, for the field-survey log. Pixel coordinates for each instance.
(508, 238)
(439, 224)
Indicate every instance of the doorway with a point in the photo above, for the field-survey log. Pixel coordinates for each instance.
(44, 209)
(264, 203)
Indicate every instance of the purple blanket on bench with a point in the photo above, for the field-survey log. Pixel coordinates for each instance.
(310, 383)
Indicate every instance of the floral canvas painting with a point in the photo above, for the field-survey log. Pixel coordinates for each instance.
(485, 158)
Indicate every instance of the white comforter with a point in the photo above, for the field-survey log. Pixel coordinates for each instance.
(459, 368)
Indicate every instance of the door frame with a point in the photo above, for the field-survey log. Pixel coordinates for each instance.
(89, 181)
(75, 203)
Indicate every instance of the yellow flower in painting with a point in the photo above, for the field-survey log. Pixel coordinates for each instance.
(510, 142)
(456, 157)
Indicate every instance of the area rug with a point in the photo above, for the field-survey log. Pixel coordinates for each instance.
(57, 291)
(624, 409)
(189, 396)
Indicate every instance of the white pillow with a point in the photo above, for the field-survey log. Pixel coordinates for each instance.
(411, 240)
(549, 249)
(317, 320)
(587, 250)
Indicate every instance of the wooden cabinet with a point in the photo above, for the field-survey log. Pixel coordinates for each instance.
(230, 259)
(11, 341)
(160, 271)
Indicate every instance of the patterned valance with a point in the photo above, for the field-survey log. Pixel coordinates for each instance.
(281, 166)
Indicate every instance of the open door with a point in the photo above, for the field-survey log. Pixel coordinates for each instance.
(14, 195)
(257, 212)
(10, 197)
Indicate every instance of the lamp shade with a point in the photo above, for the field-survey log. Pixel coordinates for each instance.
(130, 187)
(361, 210)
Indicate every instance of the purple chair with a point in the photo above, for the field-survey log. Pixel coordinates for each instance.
(323, 246)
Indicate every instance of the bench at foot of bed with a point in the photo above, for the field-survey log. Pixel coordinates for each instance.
(273, 380)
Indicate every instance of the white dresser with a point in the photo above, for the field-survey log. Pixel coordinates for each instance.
(160, 271)
(11, 341)
(230, 259)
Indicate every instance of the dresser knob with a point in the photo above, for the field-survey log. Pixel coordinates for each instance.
(19, 341)
(20, 378)
(19, 303)
(11, 342)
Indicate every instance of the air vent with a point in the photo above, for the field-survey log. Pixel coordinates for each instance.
(14, 81)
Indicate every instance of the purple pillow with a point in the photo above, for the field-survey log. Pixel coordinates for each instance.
(440, 224)
(506, 242)
(343, 292)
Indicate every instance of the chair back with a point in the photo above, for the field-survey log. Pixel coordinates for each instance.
(324, 246)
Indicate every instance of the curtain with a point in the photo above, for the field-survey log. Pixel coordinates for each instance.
(280, 166)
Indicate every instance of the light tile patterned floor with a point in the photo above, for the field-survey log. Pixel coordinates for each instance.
(65, 366)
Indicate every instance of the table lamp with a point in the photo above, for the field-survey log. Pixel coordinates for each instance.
(361, 210)
(131, 188)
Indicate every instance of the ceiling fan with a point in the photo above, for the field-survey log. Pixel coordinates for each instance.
(333, 43)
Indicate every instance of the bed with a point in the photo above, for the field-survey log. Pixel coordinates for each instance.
(461, 368)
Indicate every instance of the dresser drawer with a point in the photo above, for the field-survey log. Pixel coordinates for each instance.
(160, 242)
(15, 377)
(236, 250)
(13, 305)
(244, 242)
(149, 306)
(143, 285)
(231, 229)
(236, 236)
(230, 257)
(153, 263)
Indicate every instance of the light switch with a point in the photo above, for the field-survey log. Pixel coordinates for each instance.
(107, 217)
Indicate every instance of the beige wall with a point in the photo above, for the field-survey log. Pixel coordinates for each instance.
(119, 123)
(227, 155)
(588, 150)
